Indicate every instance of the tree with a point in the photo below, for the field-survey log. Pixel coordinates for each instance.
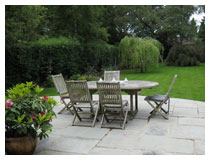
(138, 53)
(24, 23)
(82, 22)
(201, 33)
(168, 24)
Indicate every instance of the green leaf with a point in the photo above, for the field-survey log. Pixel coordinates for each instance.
(38, 90)
(20, 119)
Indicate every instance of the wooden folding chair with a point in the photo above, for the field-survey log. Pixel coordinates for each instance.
(159, 100)
(112, 105)
(110, 75)
(60, 86)
(82, 103)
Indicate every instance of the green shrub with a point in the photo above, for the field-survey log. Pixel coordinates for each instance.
(200, 52)
(182, 55)
(36, 61)
(100, 54)
(138, 53)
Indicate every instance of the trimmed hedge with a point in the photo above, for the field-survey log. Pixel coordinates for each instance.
(182, 55)
(36, 61)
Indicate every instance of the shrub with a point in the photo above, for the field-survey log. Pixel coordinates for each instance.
(36, 61)
(200, 52)
(182, 55)
(138, 53)
(100, 54)
(26, 113)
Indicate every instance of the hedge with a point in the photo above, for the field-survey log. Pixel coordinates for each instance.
(36, 61)
(182, 55)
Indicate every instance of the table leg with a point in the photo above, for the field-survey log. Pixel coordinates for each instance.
(136, 100)
(131, 106)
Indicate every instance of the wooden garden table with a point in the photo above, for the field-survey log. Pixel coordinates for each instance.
(130, 87)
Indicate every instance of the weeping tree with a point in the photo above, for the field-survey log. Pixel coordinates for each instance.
(158, 45)
(139, 53)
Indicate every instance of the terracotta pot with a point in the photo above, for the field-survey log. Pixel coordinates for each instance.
(20, 146)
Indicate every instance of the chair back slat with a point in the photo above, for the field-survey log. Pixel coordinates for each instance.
(109, 93)
(78, 91)
(169, 90)
(109, 75)
(59, 83)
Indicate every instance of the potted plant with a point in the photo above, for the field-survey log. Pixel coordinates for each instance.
(27, 116)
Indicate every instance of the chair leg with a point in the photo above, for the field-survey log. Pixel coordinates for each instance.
(102, 120)
(96, 114)
(156, 109)
(62, 110)
(168, 105)
(67, 106)
(125, 119)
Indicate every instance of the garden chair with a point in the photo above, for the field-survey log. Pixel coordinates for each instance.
(159, 100)
(109, 75)
(60, 86)
(82, 104)
(112, 105)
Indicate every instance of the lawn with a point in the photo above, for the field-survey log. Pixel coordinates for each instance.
(190, 83)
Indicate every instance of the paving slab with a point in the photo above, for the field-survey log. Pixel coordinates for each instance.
(72, 145)
(62, 121)
(185, 112)
(113, 151)
(187, 132)
(201, 114)
(159, 126)
(137, 124)
(191, 121)
(81, 132)
(120, 139)
(200, 147)
(165, 144)
(156, 152)
(186, 104)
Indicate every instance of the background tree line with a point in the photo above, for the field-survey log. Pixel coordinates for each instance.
(95, 31)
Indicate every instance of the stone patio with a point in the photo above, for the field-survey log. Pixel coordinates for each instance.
(183, 133)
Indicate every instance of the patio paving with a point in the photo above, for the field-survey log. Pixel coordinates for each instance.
(183, 133)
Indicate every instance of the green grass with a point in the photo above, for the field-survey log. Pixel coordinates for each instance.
(190, 83)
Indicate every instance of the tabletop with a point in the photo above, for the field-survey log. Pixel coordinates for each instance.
(129, 85)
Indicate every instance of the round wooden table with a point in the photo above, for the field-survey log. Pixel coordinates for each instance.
(130, 87)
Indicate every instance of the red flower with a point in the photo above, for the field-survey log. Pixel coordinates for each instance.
(34, 115)
(44, 98)
(42, 113)
(8, 104)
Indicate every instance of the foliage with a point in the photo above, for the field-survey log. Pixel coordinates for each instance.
(157, 44)
(138, 53)
(182, 55)
(201, 33)
(168, 24)
(24, 23)
(199, 51)
(26, 113)
(38, 60)
(82, 22)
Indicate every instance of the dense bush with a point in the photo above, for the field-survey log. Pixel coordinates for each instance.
(138, 53)
(200, 52)
(36, 61)
(182, 55)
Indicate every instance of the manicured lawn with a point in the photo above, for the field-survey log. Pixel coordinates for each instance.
(190, 83)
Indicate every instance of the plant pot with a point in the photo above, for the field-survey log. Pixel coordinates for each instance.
(20, 145)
